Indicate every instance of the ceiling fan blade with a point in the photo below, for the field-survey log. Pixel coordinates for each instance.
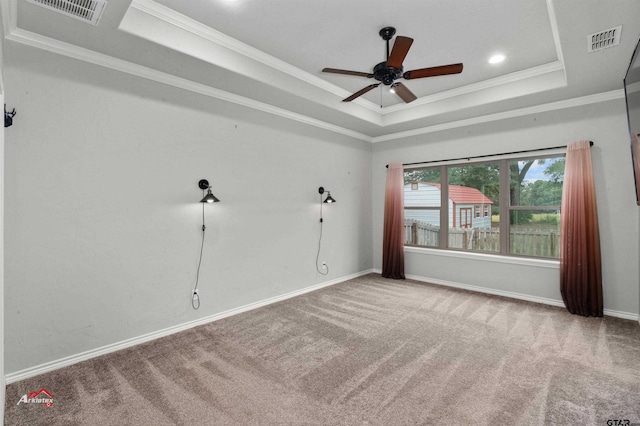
(399, 52)
(433, 71)
(347, 72)
(404, 92)
(361, 92)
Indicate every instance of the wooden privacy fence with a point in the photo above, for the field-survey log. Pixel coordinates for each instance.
(529, 242)
(535, 242)
(421, 233)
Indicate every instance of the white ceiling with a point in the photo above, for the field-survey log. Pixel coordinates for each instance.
(269, 54)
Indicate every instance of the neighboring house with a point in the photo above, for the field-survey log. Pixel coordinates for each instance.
(468, 207)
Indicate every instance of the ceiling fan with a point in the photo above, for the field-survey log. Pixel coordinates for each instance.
(390, 70)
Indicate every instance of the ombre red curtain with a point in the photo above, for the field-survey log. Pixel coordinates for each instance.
(393, 237)
(580, 264)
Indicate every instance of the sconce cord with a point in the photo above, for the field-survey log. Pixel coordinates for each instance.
(195, 299)
(320, 243)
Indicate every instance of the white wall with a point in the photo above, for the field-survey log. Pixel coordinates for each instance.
(102, 214)
(604, 124)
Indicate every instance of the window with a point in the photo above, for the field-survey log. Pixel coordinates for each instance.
(508, 207)
(535, 194)
(422, 207)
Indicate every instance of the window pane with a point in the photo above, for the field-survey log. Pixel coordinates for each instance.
(473, 200)
(536, 182)
(535, 233)
(422, 207)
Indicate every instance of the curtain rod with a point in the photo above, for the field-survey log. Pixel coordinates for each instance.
(487, 155)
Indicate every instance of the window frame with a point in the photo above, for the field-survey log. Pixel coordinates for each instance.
(504, 202)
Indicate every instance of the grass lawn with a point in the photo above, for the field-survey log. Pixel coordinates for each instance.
(539, 221)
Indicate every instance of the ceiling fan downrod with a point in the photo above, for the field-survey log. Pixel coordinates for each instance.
(382, 71)
(387, 34)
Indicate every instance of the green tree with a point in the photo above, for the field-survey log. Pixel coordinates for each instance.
(542, 193)
(536, 193)
(483, 177)
(517, 172)
(555, 170)
(431, 175)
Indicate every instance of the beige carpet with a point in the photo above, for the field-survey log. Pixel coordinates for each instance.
(368, 351)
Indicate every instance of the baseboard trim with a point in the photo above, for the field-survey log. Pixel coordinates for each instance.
(513, 295)
(621, 314)
(93, 353)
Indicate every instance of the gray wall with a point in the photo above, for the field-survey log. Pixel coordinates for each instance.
(604, 124)
(2, 375)
(103, 222)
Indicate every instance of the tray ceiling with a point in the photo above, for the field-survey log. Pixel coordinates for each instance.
(269, 55)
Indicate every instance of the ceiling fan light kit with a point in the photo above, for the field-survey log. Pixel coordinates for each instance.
(387, 72)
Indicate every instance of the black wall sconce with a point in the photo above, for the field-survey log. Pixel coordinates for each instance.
(209, 198)
(329, 198)
(324, 269)
(8, 116)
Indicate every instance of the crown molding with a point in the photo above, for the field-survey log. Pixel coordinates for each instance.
(514, 77)
(205, 32)
(8, 10)
(55, 46)
(537, 109)
(555, 31)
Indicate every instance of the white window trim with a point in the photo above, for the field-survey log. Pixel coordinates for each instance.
(497, 258)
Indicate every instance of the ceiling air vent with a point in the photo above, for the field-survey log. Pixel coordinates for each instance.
(88, 11)
(604, 39)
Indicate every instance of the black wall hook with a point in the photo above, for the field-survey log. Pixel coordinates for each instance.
(8, 116)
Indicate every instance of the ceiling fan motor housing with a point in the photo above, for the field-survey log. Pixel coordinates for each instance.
(385, 74)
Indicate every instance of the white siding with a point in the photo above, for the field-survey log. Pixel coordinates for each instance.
(426, 195)
(427, 216)
(429, 196)
(476, 222)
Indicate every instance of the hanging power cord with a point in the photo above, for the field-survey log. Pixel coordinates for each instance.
(320, 244)
(195, 299)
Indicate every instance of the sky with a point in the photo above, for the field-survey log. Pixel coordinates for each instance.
(536, 172)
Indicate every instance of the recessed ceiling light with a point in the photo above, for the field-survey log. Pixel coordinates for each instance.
(496, 59)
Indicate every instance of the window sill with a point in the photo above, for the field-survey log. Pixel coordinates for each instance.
(512, 260)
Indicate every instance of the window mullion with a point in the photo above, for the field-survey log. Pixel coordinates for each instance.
(444, 207)
(505, 201)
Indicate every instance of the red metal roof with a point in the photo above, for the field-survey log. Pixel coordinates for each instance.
(464, 195)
